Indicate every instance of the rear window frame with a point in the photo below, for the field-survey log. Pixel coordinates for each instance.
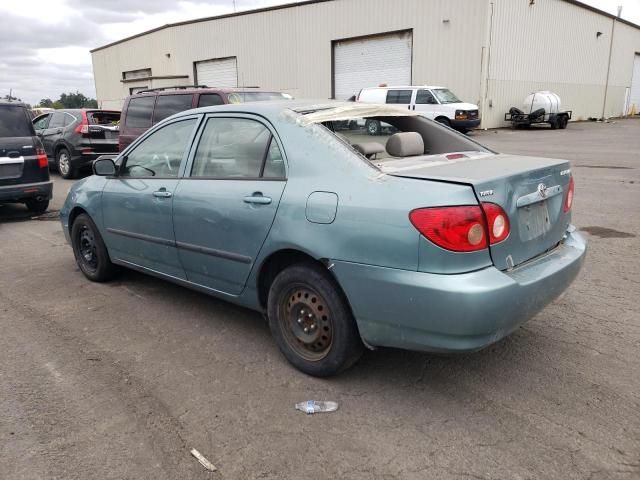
(155, 120)
(128, 114)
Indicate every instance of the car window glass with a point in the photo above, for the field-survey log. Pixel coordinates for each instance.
(167, 105)
(399, 96)
(14, 122)
(42, 122)
(209, 100)
(425, 97)
(274, 163)
(160, 154)
(139, 112)
(68, 119)
(231, 148)
(57, 120)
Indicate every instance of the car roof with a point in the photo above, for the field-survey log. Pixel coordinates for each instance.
(330, 109)
(402, 86)
(178, 91)
(6, 103)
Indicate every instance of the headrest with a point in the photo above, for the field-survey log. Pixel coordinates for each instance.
(405, 144)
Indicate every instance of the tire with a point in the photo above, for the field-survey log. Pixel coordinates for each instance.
(373, 127)
(311, 321)
(554, 123)
(37, 206)
(562, 122)
(444, 121)
(90, 251)
(63, 164)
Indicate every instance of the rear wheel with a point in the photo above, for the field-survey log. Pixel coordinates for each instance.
(90, 251)
(373, 127)
(63, 164)
(312, 322)
(563, 121)
(554, 123)
(37, 206)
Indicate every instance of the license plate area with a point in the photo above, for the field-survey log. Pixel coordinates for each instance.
(534, 220)
(11, 168)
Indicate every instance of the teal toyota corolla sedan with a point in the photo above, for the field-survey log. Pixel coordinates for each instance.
(417, 237)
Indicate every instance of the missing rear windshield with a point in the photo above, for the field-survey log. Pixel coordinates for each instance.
(103, 118)
(384, 139)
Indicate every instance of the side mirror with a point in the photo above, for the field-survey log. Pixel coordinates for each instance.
(104, 166)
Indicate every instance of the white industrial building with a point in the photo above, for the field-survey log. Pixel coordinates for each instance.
(489, 52)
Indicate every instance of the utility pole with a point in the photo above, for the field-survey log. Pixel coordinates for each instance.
(234, 6)
(606, 84)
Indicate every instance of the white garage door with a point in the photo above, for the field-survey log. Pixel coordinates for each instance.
(217, 73)
(634, 97)
(368, 62)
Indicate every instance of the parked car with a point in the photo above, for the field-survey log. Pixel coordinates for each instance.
(148, 107)
(437, 103)
(24, 172)
(439, 244)
(74, 138)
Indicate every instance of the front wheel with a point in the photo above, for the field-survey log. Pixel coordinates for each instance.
(90, 251)
(563, 121)
(311, 321)
(444, 121)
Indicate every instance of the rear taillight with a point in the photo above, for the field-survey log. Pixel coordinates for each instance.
(459, 228)
(497, 222)
(466, 228)
(41, 155)
(568, 198)
(83, 127)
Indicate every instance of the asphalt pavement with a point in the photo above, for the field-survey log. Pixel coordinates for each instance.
(121, 380)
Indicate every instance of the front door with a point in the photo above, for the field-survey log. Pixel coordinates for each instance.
(224, 207)
(137, 204)
(426, 103)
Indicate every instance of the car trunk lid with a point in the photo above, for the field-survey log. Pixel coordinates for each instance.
(530, 190)
(103, 130)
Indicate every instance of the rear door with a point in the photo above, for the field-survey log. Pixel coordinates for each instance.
(137, 119)
(53, 132)
(167, 105)
(400, 97)
(224, 207)
(18, 161)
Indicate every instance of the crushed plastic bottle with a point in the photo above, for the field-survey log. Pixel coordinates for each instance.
(315, 406)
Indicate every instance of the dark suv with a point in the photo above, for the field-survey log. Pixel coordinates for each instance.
(73, 139)
(24, 170)
(148, 107)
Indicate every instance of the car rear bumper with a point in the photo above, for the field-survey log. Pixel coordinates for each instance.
(468, 124)
(25, 191)
(86, 159)
(455, 313)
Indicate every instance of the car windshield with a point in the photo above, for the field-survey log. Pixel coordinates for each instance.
(444, 95)
(14, 122)
(242, 97)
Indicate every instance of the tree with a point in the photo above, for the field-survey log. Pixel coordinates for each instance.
(46, 103)
(77, 100)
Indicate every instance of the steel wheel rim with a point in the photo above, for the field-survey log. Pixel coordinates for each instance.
(87, 249)
(306, 322)
(63, 163)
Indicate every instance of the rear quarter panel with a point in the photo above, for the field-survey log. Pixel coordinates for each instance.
(372, 220)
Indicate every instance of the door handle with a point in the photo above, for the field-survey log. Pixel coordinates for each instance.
(162, 193)
(257, 199)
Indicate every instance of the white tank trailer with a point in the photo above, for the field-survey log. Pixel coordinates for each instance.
(539, 107)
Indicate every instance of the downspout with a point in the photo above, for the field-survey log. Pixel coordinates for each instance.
(606, 84)
(486, 65)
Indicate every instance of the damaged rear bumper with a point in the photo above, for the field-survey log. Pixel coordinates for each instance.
(455, 313)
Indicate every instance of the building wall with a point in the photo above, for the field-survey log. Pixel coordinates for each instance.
(547, 45)
(553, 45)
(290, 49)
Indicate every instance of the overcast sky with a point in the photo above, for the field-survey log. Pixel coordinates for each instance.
(44, 44)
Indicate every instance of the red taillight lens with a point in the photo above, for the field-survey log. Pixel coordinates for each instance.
(498, 222)
(459, 228)
(83, 127)
(41, 155)
(568, 198)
